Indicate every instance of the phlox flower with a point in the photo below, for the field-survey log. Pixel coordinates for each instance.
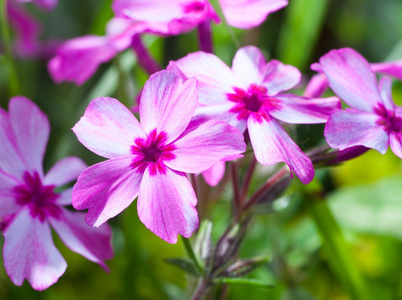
(150, 160)
(373, 120)
(319, 82)
(177, 16)
(78, 59)
(165, 17)
(249, 96)
(29, 204)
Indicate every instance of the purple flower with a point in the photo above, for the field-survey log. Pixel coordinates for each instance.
(150, 160)
(29, 203)
(249, 95)
(373, 120)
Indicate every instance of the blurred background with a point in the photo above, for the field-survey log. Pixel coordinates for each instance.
(365, 194)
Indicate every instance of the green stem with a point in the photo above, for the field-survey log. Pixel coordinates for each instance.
(14, 84)
(190, 252)
(218, 8)
(339, 253)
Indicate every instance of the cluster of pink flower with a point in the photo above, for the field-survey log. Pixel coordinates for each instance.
(194, 116)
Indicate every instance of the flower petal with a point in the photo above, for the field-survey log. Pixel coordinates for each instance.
(272, 144)
(392, 68)
(249, 64)
(27, 31)
(203, 144)
(299, 110)
(64, 171)
(396, 143)
(221, 112)
(29, 252)
(351, 78)
(385, 87)
(92, 243)
(214, 174)
(166, 205)
(106, 189)
(168, 104)
(65, 197)
(215, 78)
(31, 128)
(8, 205)
(79, 58)
(317, 86)
(11, 160)
(351, 127)
(280, 77)
(247, 14)
(165, 17)
(108, 128)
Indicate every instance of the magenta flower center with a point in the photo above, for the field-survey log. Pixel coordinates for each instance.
(152, 152)
(194, 7)
(253, 100)
(40, 199)
(388, 119)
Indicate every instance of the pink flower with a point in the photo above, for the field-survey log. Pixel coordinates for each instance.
(247, 14)
(373, 120)
(29, 203)
(165, 17)
(79, 58)
(178, 16)
(150, 160)
(319, 82)
(249, 96)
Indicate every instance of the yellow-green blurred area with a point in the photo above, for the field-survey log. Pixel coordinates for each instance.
(365, 194)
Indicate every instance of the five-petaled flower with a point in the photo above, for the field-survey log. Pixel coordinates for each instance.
(373, 120)
(29, 203)
(150, 160)
(249, 96)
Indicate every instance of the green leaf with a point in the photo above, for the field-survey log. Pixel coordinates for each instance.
(243, 281)
(299, 34)
(372, 209)
(186, 265)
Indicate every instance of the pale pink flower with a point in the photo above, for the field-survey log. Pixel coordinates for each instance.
(373, 120)
(150, 160)
(249, 96)
(29, 205)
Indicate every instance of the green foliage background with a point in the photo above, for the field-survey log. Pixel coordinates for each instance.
(365, 194)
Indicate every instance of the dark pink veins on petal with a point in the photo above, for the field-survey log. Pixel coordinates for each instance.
(388, 119)
(254, 100)
(152, 152)
(40, 199)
